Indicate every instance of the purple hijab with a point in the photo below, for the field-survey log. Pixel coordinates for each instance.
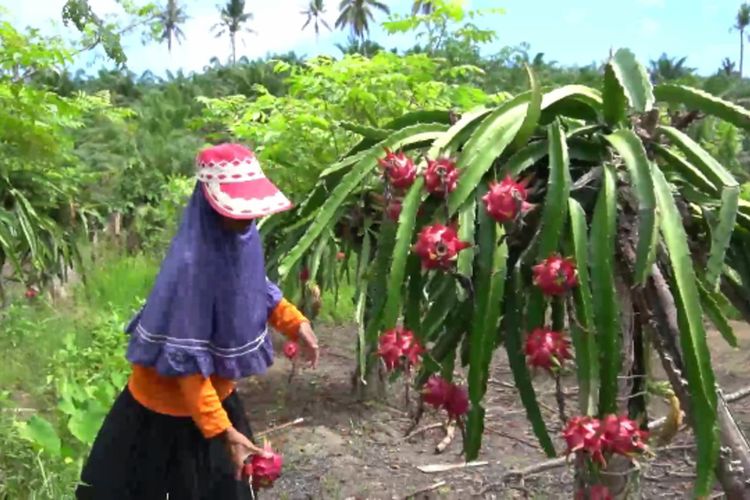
(208, 310)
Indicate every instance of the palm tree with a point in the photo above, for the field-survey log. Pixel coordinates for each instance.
(727, 67)
(668, 68)
(233, 18)
(741, 23)
(426, 7)
(357, 15)
(314, 13)
(171, 18)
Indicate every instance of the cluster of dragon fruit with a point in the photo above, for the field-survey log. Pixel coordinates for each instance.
(547, 350)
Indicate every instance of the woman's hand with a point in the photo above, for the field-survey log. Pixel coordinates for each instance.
(239, 448)
(309, 342)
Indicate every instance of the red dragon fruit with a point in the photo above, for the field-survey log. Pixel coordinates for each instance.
(505, 200)
(546, 349)
(595, 492)
(436, 391)
(457, 402)
(264, 469)
(290, 350)
(393, 210)
(441, 176)
(31, 293)
(622, 435)
(583, 435)
(438, 246)
(555, 275)
(340, 256)
(304, 274)
(399, 169)
(399, 348)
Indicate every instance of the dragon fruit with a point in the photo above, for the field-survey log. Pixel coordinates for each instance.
(264, 469)
(457, 402)
(555, 275)
(623, 436)
(546, 349)
(393, 210)
(441, 176)
(438, 246)
(436, 391)
(505, 200)
(290, 350)
(595, 492)
(583, 435)
(399, 169)
(399, 348)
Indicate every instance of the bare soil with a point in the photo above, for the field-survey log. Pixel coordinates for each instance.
(347, 449)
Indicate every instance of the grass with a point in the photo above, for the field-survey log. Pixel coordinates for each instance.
(65, 367)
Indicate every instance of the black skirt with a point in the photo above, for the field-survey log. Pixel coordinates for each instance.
(140, 454)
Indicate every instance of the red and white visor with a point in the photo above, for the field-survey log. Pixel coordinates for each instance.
(235, 185)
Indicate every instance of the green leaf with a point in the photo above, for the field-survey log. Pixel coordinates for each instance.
(351, 181)
(490, 281)
(555, 210)
(606, 306)
(697, 358)
(443, 300)
(401, 250)
(615, 102)
(633, 80)
(693, 98)
(524, 158)
(487, 143)
(533, 112)
(412, 309)
(466, 228)
(420, 117)
(721, 234)
(710, 302)
(575, 101)
(554, 214)
(39, 431)
(84, 424)
(630, 147)
(377, 278)
(685, 169)
(456, 135)
(371, 133)
(583, 328)
(517, 359)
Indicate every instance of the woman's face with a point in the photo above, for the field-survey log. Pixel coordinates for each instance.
(238, 226)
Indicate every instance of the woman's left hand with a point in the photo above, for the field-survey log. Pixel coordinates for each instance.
(309, 343)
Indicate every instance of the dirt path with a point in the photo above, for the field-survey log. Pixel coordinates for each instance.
(348, 450)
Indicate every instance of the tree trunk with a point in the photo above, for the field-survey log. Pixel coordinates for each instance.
(659, 315)
(742, 50)
(232, 37)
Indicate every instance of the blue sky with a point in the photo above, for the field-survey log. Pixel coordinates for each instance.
(570, 32)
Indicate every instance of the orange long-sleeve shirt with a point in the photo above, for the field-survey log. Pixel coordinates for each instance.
(195, 395)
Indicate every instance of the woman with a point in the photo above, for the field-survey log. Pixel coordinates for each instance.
(178, 430)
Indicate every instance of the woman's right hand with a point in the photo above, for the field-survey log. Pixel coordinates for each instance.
(239, 448)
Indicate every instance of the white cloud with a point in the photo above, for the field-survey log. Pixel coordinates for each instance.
(649, 26)
(574, 16)
(652, 3)
(277, 25)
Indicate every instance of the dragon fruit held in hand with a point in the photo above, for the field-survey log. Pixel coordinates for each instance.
(264, 469)
(291, 349)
